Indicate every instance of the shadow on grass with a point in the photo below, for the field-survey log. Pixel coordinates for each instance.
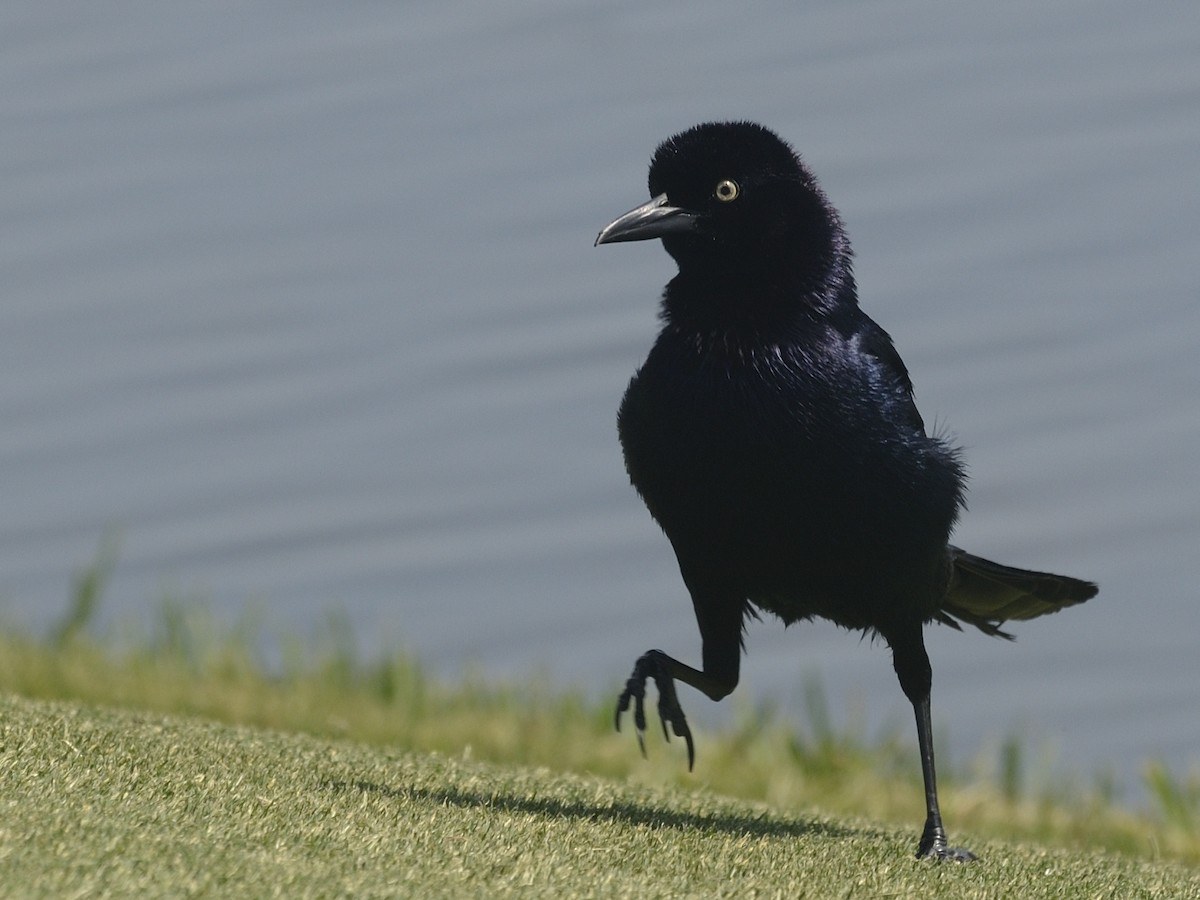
(619, 811)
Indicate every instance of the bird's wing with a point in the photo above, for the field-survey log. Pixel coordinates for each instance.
(877, 344)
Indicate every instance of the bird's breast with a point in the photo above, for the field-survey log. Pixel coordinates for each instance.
(768, 456)
(726, 436)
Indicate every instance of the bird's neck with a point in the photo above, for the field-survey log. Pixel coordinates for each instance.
(736, 308)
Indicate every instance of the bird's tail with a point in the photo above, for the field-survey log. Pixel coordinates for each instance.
(986, 594)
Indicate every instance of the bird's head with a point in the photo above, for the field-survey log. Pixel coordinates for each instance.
(733, 200)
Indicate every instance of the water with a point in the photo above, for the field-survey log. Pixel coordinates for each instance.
(301, 300)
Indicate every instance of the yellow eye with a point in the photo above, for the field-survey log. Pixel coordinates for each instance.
(727, 190)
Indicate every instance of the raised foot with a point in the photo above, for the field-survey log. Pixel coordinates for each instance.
(656, 665)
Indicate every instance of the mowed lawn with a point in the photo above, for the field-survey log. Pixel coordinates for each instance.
(100, 801)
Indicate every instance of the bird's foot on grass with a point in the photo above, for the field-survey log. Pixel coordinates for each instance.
(933, 846)
(657, 665)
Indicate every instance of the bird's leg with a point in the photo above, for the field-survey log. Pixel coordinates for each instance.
(916, 677)
(933, 838)
(663, 669)
(719, 615)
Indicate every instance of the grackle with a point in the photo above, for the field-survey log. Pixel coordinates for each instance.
(772, 434)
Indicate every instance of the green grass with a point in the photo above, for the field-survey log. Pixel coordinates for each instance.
(98, 801)
(331, 774)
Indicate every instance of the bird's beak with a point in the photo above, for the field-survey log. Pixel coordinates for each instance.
(650, 220)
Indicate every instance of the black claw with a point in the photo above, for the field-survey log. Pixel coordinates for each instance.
(949, 854)
(650, 665)
(933, 846)
(635, 693)
(670, 711)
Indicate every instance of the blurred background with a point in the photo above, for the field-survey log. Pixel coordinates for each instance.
(300, 301)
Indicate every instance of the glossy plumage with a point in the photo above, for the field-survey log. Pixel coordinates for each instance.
(772, 434)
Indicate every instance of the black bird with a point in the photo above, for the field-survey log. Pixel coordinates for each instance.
(772, 434)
